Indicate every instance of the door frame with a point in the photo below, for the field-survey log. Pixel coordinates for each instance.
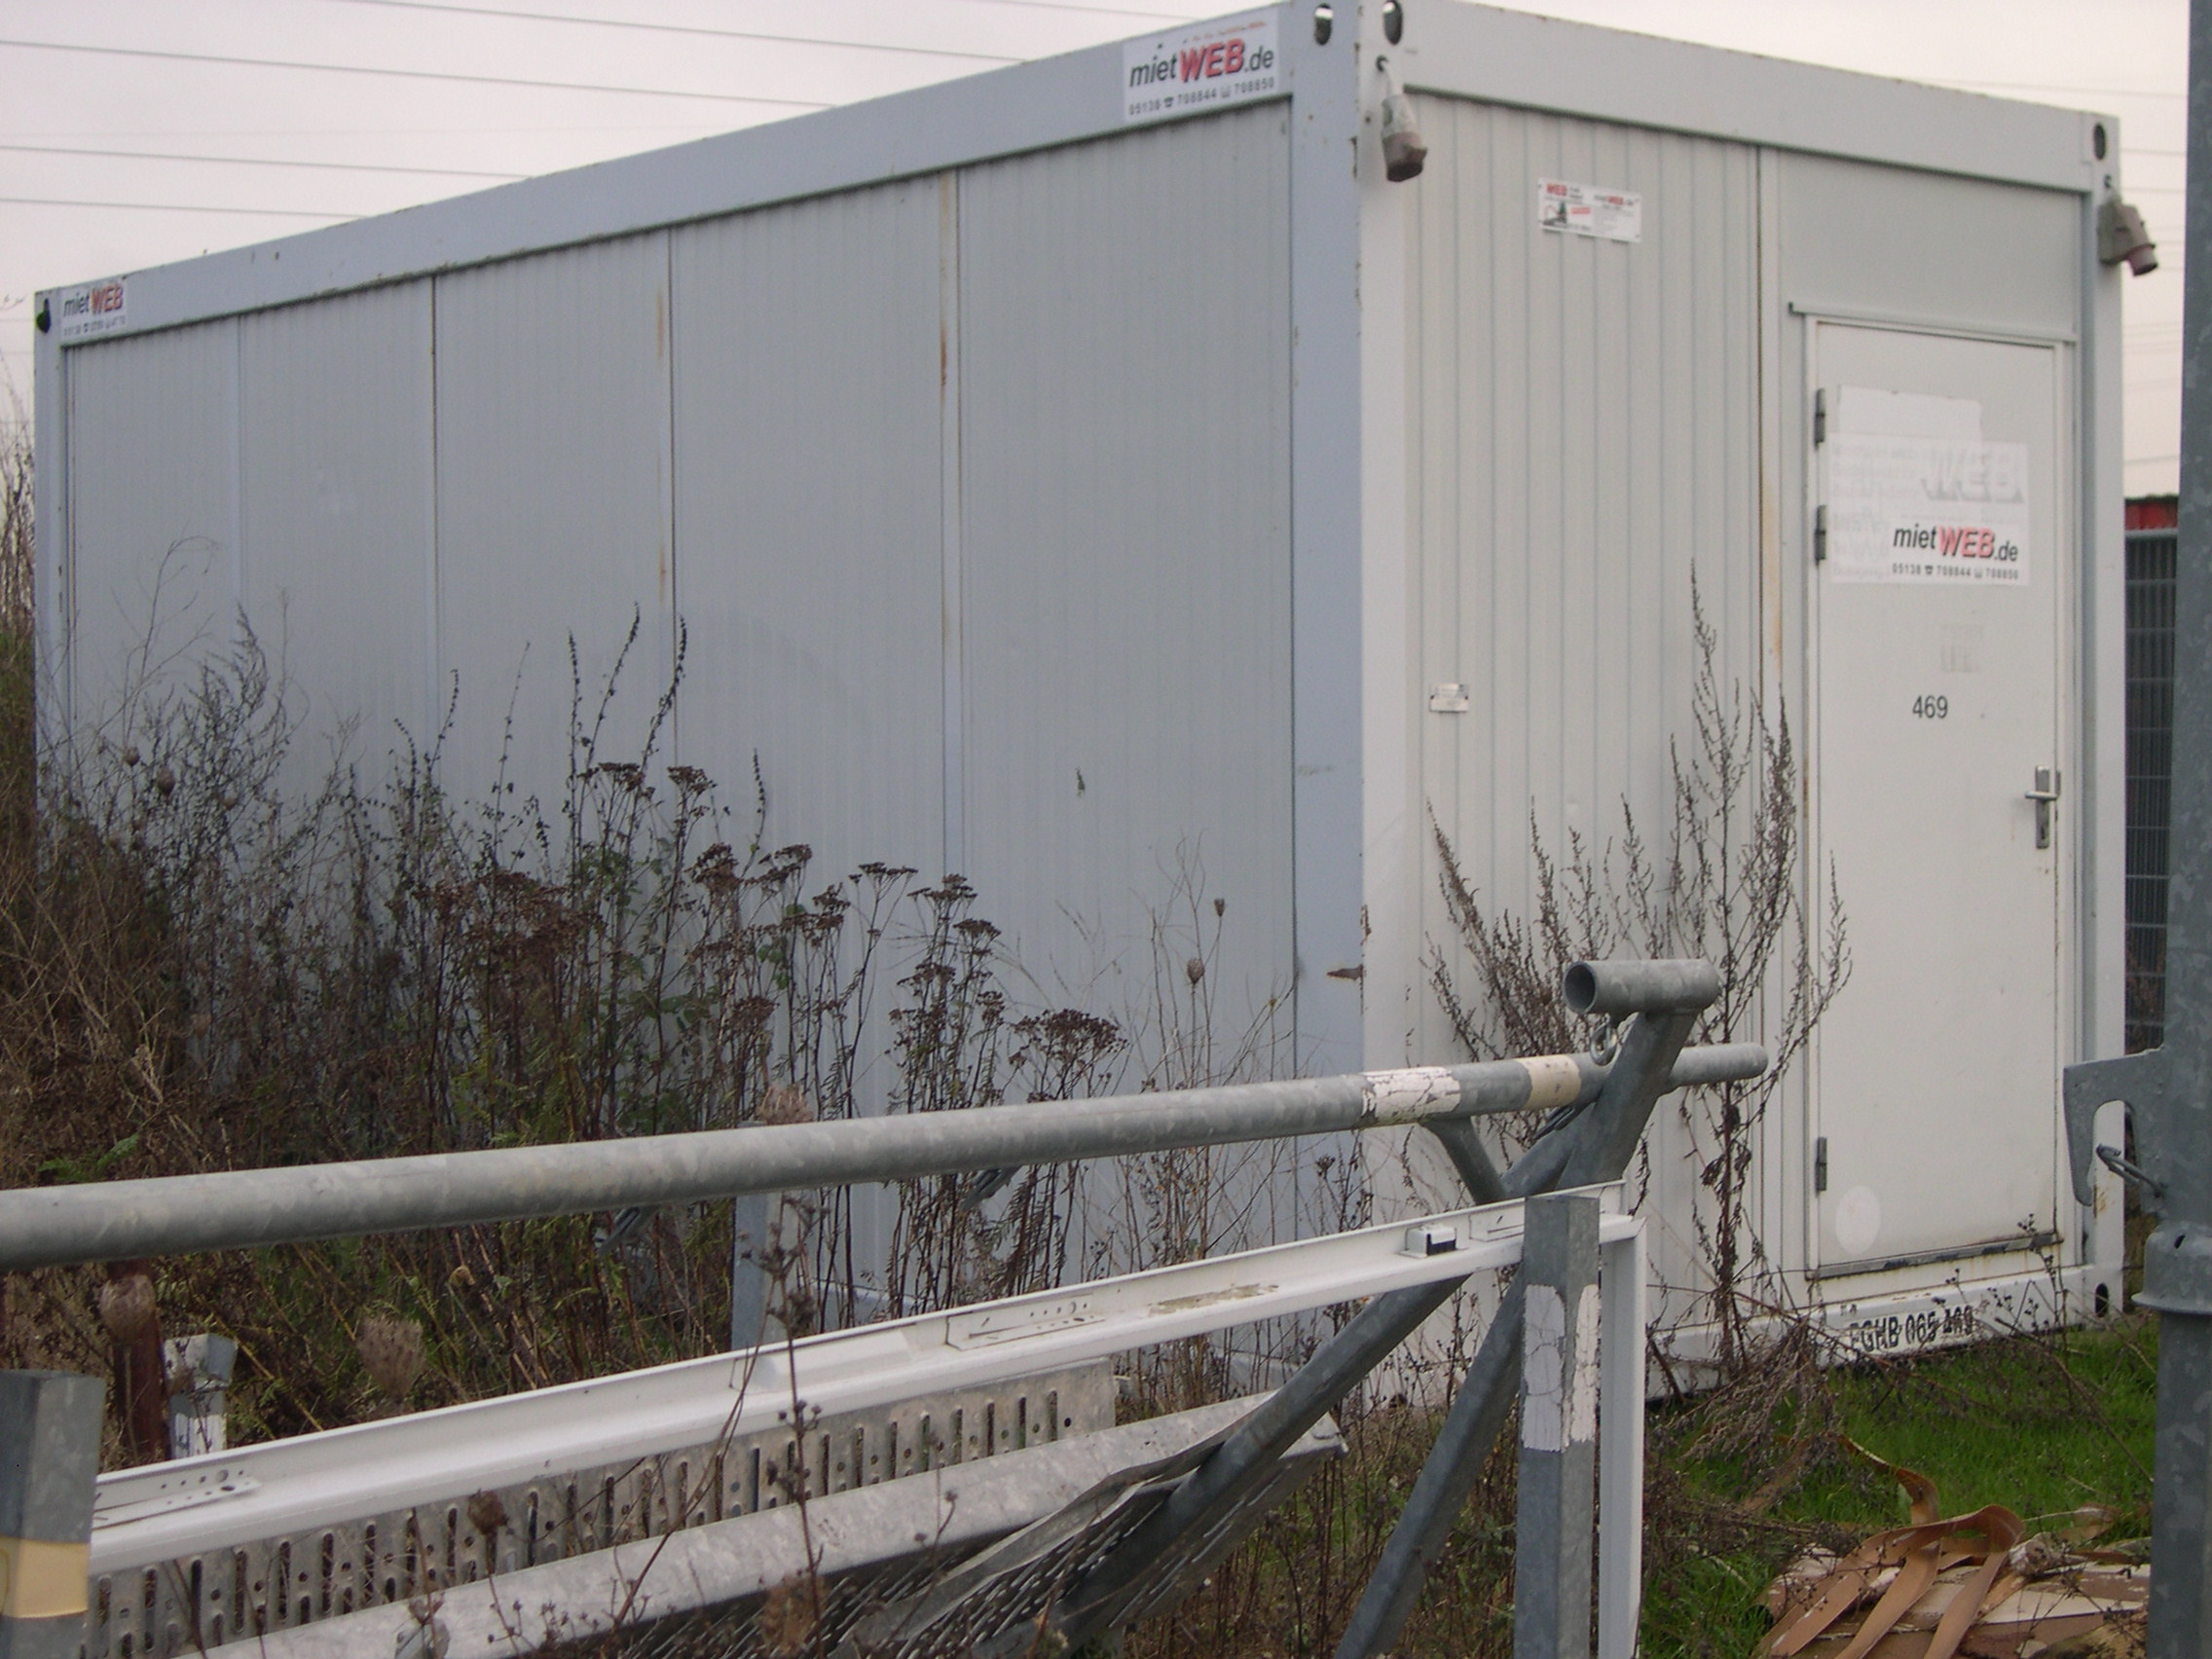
(2072, 745)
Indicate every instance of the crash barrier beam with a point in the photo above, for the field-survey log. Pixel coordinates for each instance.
(291, 1513)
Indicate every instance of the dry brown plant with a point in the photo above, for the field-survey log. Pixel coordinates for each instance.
(1729, 884)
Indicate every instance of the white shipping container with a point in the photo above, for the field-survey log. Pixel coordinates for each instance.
(1066, 474)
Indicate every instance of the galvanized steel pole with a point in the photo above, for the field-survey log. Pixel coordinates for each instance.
(1595, 1148)
(1554, 1505)
(121, 1220)
(2168, 1092)
(2178, 1257)
(50, 1454)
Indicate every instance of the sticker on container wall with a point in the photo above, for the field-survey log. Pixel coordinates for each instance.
(1906, 414)
(1920, 509)
(1206, 68)
(1590, 210)
(91, 308)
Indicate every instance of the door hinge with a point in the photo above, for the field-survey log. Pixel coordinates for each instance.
(1820, 1164)
(1820, 416)
(1819, 532)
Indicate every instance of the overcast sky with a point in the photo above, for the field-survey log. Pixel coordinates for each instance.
(138, 132)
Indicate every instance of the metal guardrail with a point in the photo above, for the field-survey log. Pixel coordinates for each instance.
(889, 1391)
(1598, 1113)
(293, 1534)
(886, 1562)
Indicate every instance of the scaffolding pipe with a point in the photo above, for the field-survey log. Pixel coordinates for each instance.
(243, 1209)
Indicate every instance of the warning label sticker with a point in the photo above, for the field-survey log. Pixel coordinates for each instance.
(1589, 211)
(1207, 67)
(1913, 509)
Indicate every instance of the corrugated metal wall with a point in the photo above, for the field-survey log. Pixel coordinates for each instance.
(808, 523)
(334, 466)
(1125, 393)
(154, 509)
(553, 500)
(1585, 420)
(980, 478)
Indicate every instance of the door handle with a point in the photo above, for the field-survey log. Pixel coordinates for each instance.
(2045, 796)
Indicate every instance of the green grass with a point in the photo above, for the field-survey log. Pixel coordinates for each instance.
(2042, 1425)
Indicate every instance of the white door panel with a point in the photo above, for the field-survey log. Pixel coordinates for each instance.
(1938, 698)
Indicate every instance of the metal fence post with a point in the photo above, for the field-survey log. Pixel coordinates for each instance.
(1621, 1396)
(749, 1253)
(2177, 1270)
(2168, 1092)
(1592, 1149)
(1555, 1512)
(50, 1454)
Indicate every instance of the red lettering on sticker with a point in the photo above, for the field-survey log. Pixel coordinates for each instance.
(1947, 539)
(1215, 53)
(1235, 57)
(1193, 61)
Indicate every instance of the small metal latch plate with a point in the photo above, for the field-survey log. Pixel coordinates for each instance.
(1820, 1164)
(1449, 698)
(1432, 1238)
(2043, 794)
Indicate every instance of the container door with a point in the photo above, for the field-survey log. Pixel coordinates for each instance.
(1942, 560)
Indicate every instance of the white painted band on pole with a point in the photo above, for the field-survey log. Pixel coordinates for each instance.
(1407, 1097)
(1543, 1370)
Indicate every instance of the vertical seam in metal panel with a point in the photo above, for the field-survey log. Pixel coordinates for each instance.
(432, 667)
(237, 426)
(1794, 1178)
(1766, 607)
(950, 522)
(51, 532)
(2086, 664)
(2103, 758)
(1815, 829)
(668, 452)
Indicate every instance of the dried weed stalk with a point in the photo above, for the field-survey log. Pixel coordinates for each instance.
(200, 970)
(1727, 885)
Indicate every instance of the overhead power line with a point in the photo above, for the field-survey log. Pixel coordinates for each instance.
(254, 162)
(693, 30)
(401, 74)
(170, 208)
